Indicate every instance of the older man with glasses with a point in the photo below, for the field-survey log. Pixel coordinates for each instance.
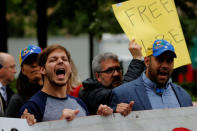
(108, 74)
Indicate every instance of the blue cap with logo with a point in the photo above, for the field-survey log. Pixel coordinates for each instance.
(159, 47)
(30, 49)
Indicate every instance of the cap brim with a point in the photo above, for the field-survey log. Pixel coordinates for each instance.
(161, 52)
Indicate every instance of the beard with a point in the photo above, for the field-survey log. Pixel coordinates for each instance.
(116, 81)
(154, 75)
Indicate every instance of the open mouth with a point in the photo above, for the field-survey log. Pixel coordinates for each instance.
(60, 73)
(163, 74)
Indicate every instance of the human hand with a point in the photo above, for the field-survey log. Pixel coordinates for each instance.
(135, 50)
(104, 110)
(69, 114)
(29, 117)
(124, 108)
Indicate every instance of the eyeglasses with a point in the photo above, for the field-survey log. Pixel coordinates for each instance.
(111, 70)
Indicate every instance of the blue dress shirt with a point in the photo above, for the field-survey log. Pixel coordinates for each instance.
(160, 97)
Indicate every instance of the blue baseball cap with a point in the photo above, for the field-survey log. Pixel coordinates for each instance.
(30, 49)
(159, 47)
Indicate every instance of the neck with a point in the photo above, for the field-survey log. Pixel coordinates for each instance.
(53, 90)
(3, 82)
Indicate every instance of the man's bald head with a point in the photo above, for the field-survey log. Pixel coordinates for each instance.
(8, 69)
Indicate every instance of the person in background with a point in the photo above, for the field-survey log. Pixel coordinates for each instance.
(108, 74)
(53, 101)
(7, 72)
(153, 89)
(28, 82)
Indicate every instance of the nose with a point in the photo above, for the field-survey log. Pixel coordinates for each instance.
(116, 73)
(166, 64)
(60, 60)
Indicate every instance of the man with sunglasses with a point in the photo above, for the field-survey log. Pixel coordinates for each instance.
(154, 88)
(108, 74)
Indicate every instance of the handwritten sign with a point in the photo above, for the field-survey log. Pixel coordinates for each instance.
(148, 20)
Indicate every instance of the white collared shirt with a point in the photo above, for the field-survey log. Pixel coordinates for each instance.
(3, 92)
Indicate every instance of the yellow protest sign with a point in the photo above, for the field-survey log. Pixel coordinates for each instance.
(148, 20)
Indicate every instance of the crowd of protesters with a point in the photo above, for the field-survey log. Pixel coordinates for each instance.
(49, 88)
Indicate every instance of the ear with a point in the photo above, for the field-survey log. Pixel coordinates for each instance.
(42, 70)
(146, 61)
(22, 69)
(97, 76)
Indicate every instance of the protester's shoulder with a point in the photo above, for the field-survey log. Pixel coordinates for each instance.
(35, 104)
(90, 83)
(132, 84)
(17, 97)
(39, 94)
(93, 92)
(38, 97)
(75, 98)
(183, 93)
(178, 87)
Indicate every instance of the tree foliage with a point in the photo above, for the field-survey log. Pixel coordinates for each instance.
(21, 18)
(77, 17)
(187, 10)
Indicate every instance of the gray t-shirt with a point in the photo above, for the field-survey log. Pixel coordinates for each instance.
(45, 107)
(55, 106)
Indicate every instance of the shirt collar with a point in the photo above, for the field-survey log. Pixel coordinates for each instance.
(1, 85)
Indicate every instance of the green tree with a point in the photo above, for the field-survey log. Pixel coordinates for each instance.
(28, 18)
(21, 18)
(187, 10)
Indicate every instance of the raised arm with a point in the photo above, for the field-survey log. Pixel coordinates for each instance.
(137, 66)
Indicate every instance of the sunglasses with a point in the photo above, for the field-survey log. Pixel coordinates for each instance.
(111, 70)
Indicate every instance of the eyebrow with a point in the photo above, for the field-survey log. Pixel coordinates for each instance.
(52, 57)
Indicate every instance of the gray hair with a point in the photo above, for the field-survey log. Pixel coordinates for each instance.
(2, 57)
(96, 63)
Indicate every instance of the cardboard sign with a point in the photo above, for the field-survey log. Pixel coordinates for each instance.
(179, 119)
(148, 20)
(176, 119)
